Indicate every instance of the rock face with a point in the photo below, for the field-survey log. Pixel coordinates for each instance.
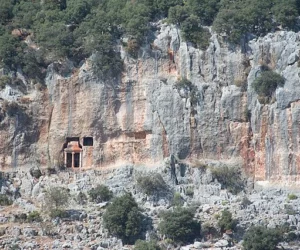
(144, 116)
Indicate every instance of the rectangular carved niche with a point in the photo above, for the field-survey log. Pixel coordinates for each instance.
(88, 141)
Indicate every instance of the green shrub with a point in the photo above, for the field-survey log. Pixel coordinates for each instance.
(56, 198)
(5, 80)
(58, 213)
(177, 200)
(265, 84)
(245, 202)
(237, 18)
(194, 33)
(226, 222)
(152, 184)
(179, 225)
(229, 178)
(4, 200)
(146, 245)
(20, 218)
(183, 83)
(34, 217)
(189, 191)
(292, 197)
(224, 202)
(288, 209)
(187, 86)
(35, 172)
(123, 219)
(100, 193)
(177, 14)
(133, 48)
(81, 198)
(14, 246)
(208, 231)
(106, 64)
(261, 238)
(11, 108)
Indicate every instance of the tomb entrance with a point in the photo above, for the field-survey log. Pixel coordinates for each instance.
(73, 155)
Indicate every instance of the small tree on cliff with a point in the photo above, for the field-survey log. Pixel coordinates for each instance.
(261, 238)
(179, 225)
(56, 199)
(124, 219)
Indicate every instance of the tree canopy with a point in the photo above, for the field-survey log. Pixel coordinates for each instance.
(56, 29)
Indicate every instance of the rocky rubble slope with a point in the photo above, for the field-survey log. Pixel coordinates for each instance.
(84, 229)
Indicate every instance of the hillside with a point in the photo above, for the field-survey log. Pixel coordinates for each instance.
(183, 104)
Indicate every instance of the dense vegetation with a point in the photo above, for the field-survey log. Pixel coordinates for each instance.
(229, 177)
(145, 245)
(226, 222)
(262, 238)
(124, 219)
(100, 193)
(56, 29)
(266, 83)
(179, 225)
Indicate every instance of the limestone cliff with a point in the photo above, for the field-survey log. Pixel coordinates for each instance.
(144, 116)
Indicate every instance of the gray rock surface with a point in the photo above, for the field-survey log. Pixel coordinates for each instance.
(141, 118)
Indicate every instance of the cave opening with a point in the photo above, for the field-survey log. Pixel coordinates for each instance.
(88, 141)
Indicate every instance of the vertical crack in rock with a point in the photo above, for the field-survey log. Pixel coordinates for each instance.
(165, 143)
(15, 153)
(173, 169)
(48, 141)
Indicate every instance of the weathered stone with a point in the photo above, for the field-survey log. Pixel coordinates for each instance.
(130, 120)
(221, 243)
(29, 232)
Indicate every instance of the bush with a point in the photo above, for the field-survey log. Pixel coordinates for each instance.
(123, 219)
(146, 245)
(265, 84)
(288, 209)
(208, 231)
(225, 222)
(189, 88)
(58, 213)
(177, 200)
(4, 200)
(100, 193)
(152, 184)
(5, 80)
(56, 198)
(189, 191)
(81, 198)
(11, 108)
(292, 197)
(133, 48)
(237, 18)
(261, 238)
(245, 202)
(20, 218)
(229, 178)
(34, 217)
(35, 172)
(194, 33)
(179, 225)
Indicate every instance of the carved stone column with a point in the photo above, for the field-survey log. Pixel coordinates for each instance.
(65, 160)
(73, 159)
(80, 160)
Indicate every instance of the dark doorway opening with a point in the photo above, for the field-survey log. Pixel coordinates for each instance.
(76, 160)
(88, 141)
(69, 160)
